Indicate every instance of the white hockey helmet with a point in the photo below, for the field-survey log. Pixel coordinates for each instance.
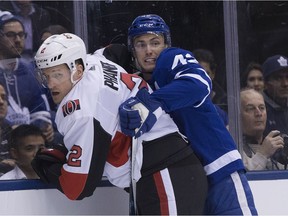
(60, 49)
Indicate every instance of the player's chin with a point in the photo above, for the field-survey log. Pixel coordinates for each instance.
(57, 99)
(149, 68)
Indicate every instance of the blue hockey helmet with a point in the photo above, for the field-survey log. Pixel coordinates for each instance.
(149, 23)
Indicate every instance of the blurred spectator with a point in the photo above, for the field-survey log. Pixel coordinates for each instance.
(26, 140)
(253, 77)
(26, 102)
(33, 17)
(218, 95)
(6, 163)
(275, 71)
(51, 30)
(258, 151)
(207, 61)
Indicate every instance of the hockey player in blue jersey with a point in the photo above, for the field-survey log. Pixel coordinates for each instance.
(183, 88)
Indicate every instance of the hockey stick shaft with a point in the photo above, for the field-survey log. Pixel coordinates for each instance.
(132, 194)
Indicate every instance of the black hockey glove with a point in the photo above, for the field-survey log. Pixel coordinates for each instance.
(45, 158)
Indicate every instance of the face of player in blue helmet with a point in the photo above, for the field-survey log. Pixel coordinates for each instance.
(147, 48)
(148, 35)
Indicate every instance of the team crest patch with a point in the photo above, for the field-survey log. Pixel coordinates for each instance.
(70, 107)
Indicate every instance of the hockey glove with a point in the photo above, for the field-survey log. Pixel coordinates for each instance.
(138, 114)
(47, 157)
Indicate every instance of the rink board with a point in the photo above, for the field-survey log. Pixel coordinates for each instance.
(32, 197)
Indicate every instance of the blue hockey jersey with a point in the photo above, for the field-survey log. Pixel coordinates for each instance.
(183, 87)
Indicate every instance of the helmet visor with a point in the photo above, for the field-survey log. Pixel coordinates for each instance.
(40, 77)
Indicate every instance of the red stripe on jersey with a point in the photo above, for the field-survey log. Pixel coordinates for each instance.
(161, 193)
(130, 84)
(72, 184)
(118, 151)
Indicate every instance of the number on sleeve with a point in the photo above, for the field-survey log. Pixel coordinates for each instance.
(73, 159)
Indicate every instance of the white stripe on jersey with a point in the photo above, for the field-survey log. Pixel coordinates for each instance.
(198, 77)
(169, 191)
(240, 194)
(222, 161)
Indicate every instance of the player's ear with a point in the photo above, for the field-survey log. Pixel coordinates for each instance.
(79, 71)
(133, 53)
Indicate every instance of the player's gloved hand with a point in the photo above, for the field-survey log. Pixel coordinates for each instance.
(138, 114)
(45, 158)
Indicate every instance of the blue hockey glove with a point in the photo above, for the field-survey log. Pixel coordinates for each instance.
(129, 118)
(138, 114)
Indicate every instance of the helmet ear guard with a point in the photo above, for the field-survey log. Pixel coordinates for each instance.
(73, 72)
(145, 24)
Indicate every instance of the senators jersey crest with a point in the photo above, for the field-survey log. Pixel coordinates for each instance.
(70, 107)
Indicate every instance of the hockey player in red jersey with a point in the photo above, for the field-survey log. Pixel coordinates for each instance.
(169, 177)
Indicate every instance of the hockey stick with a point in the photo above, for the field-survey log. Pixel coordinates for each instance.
(143, 111)
(132, 192)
